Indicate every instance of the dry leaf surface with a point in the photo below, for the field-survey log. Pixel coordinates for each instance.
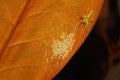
(38, 37)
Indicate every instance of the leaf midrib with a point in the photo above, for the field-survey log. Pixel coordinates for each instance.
(14, 28)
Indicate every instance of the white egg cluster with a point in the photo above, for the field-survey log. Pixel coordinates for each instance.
(61, 48)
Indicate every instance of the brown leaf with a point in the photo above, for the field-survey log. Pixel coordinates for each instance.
(38, 37)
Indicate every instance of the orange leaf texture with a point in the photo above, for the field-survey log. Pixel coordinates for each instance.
(38, 37)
